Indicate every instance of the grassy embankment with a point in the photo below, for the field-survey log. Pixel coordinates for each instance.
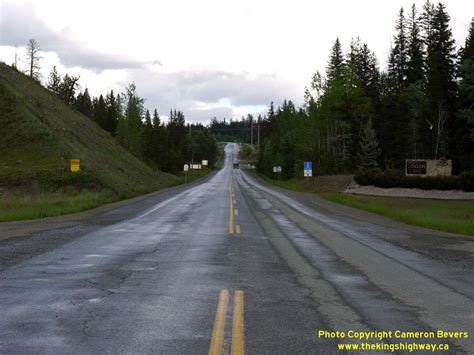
(452, 216)
(40, 135)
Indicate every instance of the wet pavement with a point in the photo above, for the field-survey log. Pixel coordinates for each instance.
(235, 265)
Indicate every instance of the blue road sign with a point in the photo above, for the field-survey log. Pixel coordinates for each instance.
(308, 165)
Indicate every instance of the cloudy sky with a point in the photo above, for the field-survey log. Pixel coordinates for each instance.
(222, 58)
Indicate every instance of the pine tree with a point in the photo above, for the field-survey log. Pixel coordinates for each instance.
(156, 119)
(336, 60)
(54, 81)
(364, 63)
(399, 57)
(100, 112)
(369, 149)
(112, 112)
(84, 104)
(464, 135)
(441, 74)
(129, 127)
(415, 52)
(147, 137)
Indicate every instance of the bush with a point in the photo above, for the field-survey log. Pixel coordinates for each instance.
(388, 179)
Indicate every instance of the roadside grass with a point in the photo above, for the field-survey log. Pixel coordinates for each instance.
(454, 216)
(27, 202)
(20, 205)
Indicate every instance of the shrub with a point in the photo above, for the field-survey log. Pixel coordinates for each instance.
(388, 179)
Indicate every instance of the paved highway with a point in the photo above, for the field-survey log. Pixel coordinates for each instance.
(233, 265)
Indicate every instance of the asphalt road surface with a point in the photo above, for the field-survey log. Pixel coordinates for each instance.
(232, 265)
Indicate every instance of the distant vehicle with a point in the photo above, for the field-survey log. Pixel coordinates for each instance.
(236, 165)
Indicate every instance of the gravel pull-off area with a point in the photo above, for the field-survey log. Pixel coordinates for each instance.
(356, 189)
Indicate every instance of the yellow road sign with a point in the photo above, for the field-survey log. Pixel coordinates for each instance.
(75, 165)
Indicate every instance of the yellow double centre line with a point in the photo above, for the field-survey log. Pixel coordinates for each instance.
(217, 340)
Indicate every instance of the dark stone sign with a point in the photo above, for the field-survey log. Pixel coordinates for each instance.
(416, 167)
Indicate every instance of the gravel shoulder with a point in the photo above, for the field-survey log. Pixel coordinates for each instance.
(404, 192)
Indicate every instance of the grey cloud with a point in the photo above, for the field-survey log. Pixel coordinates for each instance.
(18, 23)
(185, 90)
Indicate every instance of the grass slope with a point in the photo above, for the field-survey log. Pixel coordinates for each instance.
(39, 135)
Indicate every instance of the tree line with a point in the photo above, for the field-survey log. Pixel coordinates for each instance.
(357, 117)
(166, 146)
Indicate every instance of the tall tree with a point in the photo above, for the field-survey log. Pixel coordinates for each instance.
(100, 112)
(67, 89)
(464, 124)
(54, 81)
(364, 62)
(129, 126)
(112, 114)
(399, 55)
(33, 57)
(415, 51)
(336, 60)
(441, 75)
(84, 103)
(369, 149)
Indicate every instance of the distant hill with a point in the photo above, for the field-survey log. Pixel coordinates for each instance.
(39, 134)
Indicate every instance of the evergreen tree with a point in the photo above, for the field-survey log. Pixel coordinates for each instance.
(441, 73)
(112, 112)
(84, 104)
(336, 60)
(129, 127)
(67, 89)
(415, 52)
(156, 119)
(100, 112)
(464, 124)
(399, 57)
(54, 81)
(369, 149)
(364, 62)
(147, 137)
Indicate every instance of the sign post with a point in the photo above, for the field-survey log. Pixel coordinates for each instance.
(185, 168)
(275, 170)
(75, 165)
(308, 170)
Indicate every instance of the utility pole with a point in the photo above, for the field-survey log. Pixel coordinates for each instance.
(258, 136)
(251, 133)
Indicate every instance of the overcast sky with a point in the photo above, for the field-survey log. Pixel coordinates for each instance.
(223, 58)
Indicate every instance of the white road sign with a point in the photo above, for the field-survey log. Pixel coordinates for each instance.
(205, 163)
(186, 167)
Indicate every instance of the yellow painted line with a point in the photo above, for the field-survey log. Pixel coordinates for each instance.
(231, 217)
(237, 229)
(217, 339)
(236, 211)
(238, 343)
